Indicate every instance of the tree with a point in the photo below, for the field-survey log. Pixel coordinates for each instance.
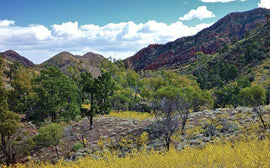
(89, 90)
(249, 54)
(254, 96)
(57, 95)
(243, 82)
(228, 95)
(231, 72)
(134, 82)
(105, 89)
(21, 98)
(120, 100)
(198, 98)
(98, 91)
(179, 101)
(50, 135)
(167, 104)
(13, 68)
(9, 122)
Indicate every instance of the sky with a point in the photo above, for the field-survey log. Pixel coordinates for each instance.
(39, 29)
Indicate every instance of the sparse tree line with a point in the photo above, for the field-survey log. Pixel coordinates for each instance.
(49, 94)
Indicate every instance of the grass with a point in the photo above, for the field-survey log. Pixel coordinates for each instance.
(246, 153)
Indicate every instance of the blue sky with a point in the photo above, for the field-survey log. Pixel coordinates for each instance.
(39, 29)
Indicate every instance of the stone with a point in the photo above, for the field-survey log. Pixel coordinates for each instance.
(194, 142)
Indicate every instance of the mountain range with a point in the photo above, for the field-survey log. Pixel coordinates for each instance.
(65, 60)
(180, 52)
(174, 55)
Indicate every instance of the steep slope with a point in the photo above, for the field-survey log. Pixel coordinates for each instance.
(13, 56)
(229, 29)
(248, 57)
(65, 60)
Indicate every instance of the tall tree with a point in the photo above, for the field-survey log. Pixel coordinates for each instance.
(9, 122)
(167, 107)
(57, 95)
(22, 96)
(99, 91)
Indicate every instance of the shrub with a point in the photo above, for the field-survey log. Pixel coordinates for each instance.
(77, 146)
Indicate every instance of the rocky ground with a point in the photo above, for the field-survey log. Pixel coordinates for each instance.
(203, 127)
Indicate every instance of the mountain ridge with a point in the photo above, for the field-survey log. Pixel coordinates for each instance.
(65, 60)
(171, 55)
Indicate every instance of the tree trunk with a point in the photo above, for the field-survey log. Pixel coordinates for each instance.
(56, 150)
(260, 114)
(91, 123)
(264, 125)
(7, 151)
(167, 141)
(183, 126)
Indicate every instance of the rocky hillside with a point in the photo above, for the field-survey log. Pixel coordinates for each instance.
(247, 57)
(13, 56)
(231, 28)
(65, 60)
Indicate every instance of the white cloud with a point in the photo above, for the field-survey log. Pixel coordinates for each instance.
(200, 13)
(222, 1)
(264, 4)
(6, 22)
(66, 29)
(41, 32)
(119, 40)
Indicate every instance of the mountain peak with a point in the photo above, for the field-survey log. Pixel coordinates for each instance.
(13, 56)
(63, 60)
(64, 53)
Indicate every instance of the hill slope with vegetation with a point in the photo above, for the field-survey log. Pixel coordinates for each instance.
(69, 63)
(198, 115)
(13, 56)
(227, 30)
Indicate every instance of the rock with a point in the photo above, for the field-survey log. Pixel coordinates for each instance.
(194, 142)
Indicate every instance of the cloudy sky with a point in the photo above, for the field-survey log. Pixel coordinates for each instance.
(39, 29)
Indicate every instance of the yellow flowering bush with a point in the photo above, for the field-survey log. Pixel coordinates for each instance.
(193, 131)
(242, 154)
(130, 115)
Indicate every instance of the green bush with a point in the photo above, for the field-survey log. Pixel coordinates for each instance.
(77, 146)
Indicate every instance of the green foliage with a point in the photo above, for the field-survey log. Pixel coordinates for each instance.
(77, 146)
(228, 95)
(9, 123)
(98, 91)
(57, 95)
(243, 82)
(27, 146)
(49, 135)
(254, 96)
(22, 97)
(169, 92)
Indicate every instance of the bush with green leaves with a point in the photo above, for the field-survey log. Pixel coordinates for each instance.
(77, 146)
(50, 135)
